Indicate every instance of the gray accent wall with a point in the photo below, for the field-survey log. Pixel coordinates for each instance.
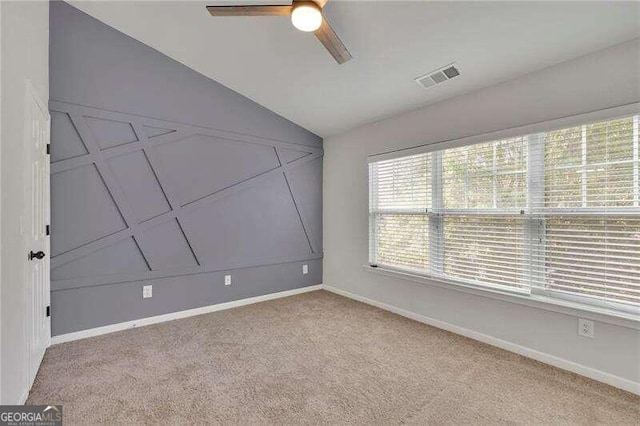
(162, 176)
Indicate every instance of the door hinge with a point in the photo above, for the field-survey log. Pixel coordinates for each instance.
(48, 311)
(47, 230)
(48, 149)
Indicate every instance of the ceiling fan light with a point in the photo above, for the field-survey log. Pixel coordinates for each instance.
(306, 16)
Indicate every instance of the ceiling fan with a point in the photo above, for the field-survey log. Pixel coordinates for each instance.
(305, 15)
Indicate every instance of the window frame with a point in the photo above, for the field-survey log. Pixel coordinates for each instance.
(535, 217)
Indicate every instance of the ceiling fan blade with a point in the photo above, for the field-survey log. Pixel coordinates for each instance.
(332, 42)
(276, 10)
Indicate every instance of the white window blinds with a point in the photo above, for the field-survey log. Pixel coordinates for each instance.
(555, 212)
(588, 212)
(400, 198)
(484, 190)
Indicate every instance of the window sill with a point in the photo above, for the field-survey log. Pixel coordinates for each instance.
(566, 307)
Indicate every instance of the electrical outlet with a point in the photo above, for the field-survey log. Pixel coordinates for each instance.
(227, 280)
(147, 291)
(305, 269)
(586, 328)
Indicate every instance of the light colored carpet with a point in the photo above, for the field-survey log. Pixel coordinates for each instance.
(312, 358)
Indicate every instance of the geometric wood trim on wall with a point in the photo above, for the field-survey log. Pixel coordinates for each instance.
(137, 198)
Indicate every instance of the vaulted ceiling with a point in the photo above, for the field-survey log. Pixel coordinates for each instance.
(392, 42)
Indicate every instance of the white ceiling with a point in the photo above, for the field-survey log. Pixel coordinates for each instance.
(289, 72)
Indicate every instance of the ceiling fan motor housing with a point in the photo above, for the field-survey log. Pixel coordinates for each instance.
(306, 16)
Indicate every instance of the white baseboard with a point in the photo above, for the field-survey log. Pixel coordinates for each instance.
(83, 334)
(555, 361)
(561, 363)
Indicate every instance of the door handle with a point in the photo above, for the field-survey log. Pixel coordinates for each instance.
(38, 255)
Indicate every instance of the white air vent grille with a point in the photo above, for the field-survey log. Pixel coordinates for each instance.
(438, 76)
(425, 81)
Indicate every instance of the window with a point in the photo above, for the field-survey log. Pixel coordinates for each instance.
(484, 193)
(402, 191)
(556, 213)
(590, 212)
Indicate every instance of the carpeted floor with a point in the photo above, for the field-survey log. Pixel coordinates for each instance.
(312, 358)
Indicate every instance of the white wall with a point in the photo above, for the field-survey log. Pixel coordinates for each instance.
(1, 400)
(603, 79)
(24, 36)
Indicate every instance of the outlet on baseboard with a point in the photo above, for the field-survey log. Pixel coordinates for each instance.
(147, 291)
(227, 280)
(586, 328)
(305, 269)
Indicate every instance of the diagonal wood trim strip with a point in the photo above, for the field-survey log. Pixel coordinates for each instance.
(113, 186)
(90, 247)
(116, 151)
(153, 122)
(295, 203)
(165, 186)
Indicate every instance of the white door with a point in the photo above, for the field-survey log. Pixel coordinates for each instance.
(35, 221)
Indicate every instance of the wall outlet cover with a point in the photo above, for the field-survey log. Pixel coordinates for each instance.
(305, 269)
(227, 280)
(586, 328)
(147, 291)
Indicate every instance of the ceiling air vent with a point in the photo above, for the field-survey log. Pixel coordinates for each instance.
(438, 76)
